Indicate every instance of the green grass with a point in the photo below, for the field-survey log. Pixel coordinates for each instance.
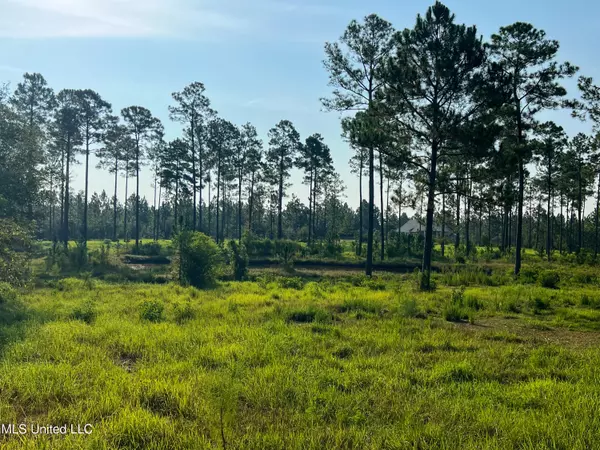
(292, 363)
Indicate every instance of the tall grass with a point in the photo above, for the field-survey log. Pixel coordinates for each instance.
(307, 365)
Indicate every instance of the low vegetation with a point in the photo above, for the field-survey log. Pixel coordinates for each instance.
(309, 361)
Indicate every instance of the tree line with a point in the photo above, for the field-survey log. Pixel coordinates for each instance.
(460, 117)
(216, 173)
(446, 122)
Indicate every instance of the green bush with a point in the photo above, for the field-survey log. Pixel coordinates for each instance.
(308, 315)
(85, 312)
(454, 313)
(152, 311)
(70, 284)
(529, 275)
(291, 283)
(101, 257)
(286, 251)
(257, 248)
(549, 279)
(148, 249)
(7, 293)
(239, 260)
(70, 259)
(199, 259)
(15, 253)
(538, 304)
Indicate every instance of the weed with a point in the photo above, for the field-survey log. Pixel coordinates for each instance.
(152, 311)
(549, 279)
(86, 312)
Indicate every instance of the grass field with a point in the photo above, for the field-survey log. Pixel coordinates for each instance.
(287, 363)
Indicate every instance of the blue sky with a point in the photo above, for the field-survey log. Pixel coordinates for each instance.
(261, 60)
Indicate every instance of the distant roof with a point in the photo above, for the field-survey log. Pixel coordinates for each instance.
(415, 226)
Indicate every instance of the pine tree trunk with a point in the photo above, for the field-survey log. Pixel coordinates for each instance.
(382, 224)
(209, 210)
(560, 245)
(251, 203)
(85, 203)
(521, 183)
(155, 224)
(443, 224)
(218, 195)
(537, 227)
(468, 221)
(115, 203)
(310, 207)
(137, 196)
(457, 236)
(240, 206)
(223, 216)
(125, 235)
(549, 218)
(314, 202)
(200, 188)
(369, 262)
(194, 181)
(280, 202)
(426, 272)
(387, 212)
(579, 216)
(158, 211)
(360, 207)
(66, 195)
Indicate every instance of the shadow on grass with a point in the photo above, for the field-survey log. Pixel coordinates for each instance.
(14, 320)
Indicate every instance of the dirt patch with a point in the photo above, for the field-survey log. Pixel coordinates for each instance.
(525, 332)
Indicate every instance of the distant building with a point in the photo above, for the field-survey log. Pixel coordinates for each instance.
(414, 226)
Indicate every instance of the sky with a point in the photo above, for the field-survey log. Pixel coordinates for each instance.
(260, 60)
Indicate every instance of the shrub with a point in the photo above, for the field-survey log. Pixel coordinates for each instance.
(257, 248)
(152, 311)
(286, 251)
(183, 313)
(549, 279)
(308, 315)
(454, 313)
(458, 296)
(291, 283)
(70, 259)
(7, 293)
(101, 257)
(78, 256)
(148, 249)
(239, 260)
(331, 249)
(513, 306)
(70, 284)
(15, 253)
(85, 312)
(537, 304)
(199, 259)
(529, 275)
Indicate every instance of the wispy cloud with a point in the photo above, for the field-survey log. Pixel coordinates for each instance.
(113, 18)
(299, 7)
(197, 19)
